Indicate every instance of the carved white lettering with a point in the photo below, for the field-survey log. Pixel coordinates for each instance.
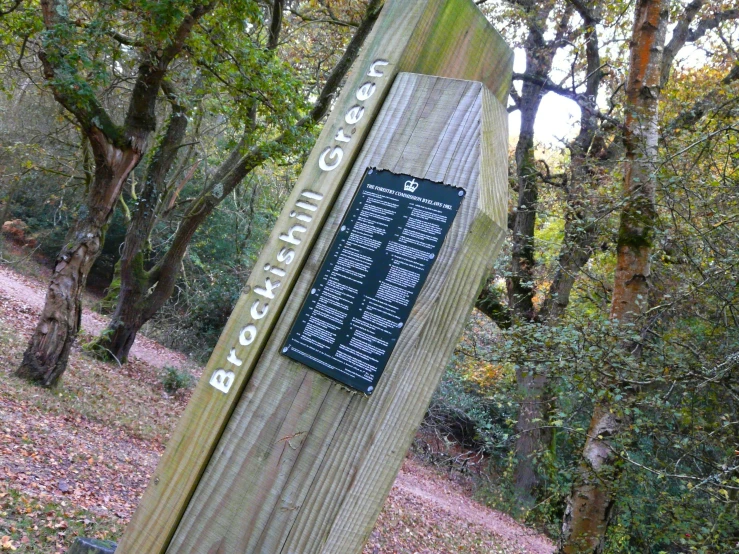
(306, 206)
(341, 137)
(234, 359)
(276, 270)
(354, 115)
(248, 334)
(269, 286)
(222, 380)
(335, 153)
(256, 313)
(312, 195)
(300, 216)
(290, 236)
(286, 256)
(365, 91)
(374, 72)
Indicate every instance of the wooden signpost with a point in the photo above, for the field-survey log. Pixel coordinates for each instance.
(368, 278)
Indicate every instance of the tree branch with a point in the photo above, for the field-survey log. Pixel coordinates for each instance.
(141, 117)
(14, 6)
(683, 34)
(732, 76)
(72, 92)
(489, 304)
(547, 84)
(320, 108)
(688, 118)
(115, 35)
(588, 16)
(333, 21)
(275, 25)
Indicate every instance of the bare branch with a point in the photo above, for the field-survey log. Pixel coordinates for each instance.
(310, 19)
(546, 84)
(323, 102)
(683, 34)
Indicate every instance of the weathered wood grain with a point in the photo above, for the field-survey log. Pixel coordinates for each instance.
(357, 486)
(304, 465)
(404, 38)
(468, 50)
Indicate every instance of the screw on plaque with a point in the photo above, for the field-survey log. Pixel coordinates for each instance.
(461, 193)
(285, 349)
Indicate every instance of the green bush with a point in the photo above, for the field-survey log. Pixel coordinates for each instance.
(175, 380)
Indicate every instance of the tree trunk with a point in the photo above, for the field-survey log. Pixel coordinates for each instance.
(588, 509)
(147, 292)
(128, 318)
(45, 359)
(117, 151)
(532, 437)
(120, 334)
(589, 506)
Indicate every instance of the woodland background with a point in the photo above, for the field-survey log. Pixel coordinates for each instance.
(146, 149)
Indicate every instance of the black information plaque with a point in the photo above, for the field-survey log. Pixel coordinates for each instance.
(370, 279)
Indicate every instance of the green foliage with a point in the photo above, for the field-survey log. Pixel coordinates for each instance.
(461, 413)
(218, 263)
(678, 452)
(176, 380)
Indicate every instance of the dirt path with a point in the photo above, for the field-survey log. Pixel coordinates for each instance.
(422, 505)
(451, 498)
(32, 293)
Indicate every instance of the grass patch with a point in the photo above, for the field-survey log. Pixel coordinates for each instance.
(29, 524)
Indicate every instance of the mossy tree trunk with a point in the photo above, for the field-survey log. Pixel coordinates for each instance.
(117, 149)
(592, 497)
(135, 281)
(533, 435)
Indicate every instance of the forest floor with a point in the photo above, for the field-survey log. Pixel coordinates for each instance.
(75, 460)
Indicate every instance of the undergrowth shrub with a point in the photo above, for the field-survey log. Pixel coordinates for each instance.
(464, 429)
(176, 380)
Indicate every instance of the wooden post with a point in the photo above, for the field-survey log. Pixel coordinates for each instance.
(300, 451)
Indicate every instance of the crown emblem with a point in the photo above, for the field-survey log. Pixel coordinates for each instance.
(411, 185)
